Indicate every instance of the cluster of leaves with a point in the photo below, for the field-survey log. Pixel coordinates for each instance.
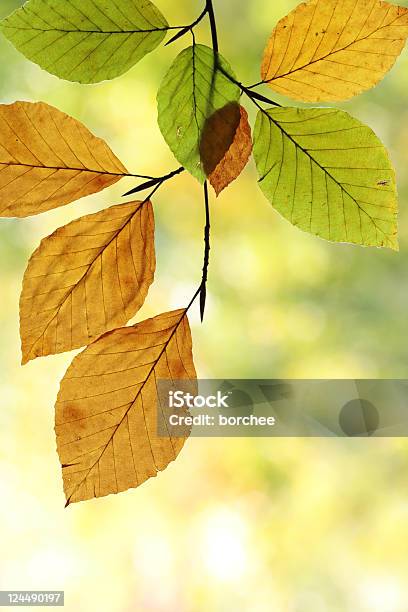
(322, 169)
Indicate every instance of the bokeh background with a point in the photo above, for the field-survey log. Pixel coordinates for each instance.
(295, 525)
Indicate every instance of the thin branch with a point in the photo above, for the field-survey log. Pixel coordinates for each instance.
(208, 10)
(156, 183)
(213, 25)
(207, 248)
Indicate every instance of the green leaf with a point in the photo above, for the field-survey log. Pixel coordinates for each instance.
(85, 40)
(328, 174)
(196, 87)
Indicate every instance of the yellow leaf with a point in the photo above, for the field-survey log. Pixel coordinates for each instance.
(236, 154)
(334, 49)
(106, 411)
(48, 159)
(87, 278)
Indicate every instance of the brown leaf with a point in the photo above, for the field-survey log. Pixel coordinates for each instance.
(48, 159)
(218, 135)
(334, 49)
(87, 278)
(106, 411)
(235, 158)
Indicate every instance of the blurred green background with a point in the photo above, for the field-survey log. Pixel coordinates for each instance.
(310, 525)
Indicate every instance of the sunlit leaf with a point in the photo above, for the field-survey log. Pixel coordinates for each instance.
(334, 49)
(85, 40)
(194, 88)
(106, 411)
(328, 174)
(87, 278)
(48, 159)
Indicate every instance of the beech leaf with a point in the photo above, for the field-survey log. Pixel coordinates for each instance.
(48, 159)
(328, 174)
(334, 49)
(237, 151)
(87, 278)
(85, 40)
(195, 87)
(106, 411)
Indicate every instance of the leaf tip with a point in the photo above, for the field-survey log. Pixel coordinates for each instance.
(218, 188)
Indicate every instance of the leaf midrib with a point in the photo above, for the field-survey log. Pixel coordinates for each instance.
(42, 167)
(78, 31)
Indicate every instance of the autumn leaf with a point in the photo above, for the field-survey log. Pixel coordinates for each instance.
(106, 411)
(218, 134)
(334, 49)
(87, 278)
(48, 159)
(237, 147)
(328, 174)
(85, 40)
(195, 87)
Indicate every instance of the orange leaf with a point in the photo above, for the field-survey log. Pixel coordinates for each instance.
(87, 278)
(106, 411)
(235, 158)
(48, 159)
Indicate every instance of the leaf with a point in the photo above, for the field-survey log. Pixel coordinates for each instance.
(334, 49)
(328, 174)
(85, 40)
(106, 411)
(87, 278)
(218, 135)
(237, 152)
(48, 159)
(195, 87)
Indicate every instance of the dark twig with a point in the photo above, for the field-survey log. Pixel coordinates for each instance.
(253, 95)
(207, 248)
(257, 96)
(154, 181)
(213, 25)
(157, 182)
(208, 10)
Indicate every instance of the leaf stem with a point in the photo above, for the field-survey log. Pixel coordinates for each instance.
(253, 95)
(257, 84)
(188, 28)
(153, 181)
